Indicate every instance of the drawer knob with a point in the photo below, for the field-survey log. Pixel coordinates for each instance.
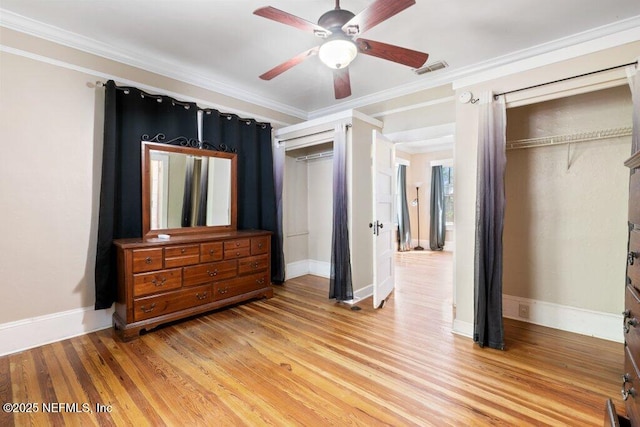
(148, 309)
(260, 281)
(631, 256)
(182, 250)
(630, 323)
(223, 291)
(237, 253)
(254, 265)
(201, 296)
(148, 260)
(159, 282)
(627, 392)
(237, 243)
(213, 273)
(260, 245)
(210, 251)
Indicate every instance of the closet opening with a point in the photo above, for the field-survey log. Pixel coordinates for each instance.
(308, 210)
(565, 223)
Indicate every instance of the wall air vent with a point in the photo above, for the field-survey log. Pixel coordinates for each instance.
(434, 66)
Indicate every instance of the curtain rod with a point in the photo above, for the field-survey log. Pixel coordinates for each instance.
(496, 96)
(187, 105)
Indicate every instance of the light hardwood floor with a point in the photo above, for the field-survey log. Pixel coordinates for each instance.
(300, 359)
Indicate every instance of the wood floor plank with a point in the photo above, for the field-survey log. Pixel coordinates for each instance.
(302, 359)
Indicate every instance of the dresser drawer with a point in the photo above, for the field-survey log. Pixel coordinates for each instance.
(260, 245)
(633, 259)
(632, 319)
(147, 260)
(239, 285)
(253, 264)
(169, 302)
(210, 272)
(156, 281)
(631, 381)
(177, 256)
(634, 197)
(211, 252)
(237, 248)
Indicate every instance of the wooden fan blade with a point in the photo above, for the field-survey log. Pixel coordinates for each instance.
(401, 55)
(378, 11)
(276, 71)
(341, 83)
(292, 20)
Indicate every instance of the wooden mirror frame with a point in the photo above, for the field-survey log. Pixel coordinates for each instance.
(146, 198)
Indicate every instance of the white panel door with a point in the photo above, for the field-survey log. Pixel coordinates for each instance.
(383, 223)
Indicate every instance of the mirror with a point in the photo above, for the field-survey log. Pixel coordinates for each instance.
(187, 190)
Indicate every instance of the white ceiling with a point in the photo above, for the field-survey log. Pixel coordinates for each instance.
(222, 46)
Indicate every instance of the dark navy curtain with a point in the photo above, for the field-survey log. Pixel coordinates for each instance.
(436, 210)
(257, 208)
(129, 114)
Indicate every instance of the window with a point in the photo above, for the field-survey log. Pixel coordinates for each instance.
(447, 177)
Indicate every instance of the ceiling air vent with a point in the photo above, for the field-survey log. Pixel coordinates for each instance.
(434, 66)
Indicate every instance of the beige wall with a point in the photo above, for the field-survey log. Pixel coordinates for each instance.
(467, 138)
(50, 167)
(565, 220)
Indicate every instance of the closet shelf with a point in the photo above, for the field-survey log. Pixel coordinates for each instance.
(569, 139)
(314, 156)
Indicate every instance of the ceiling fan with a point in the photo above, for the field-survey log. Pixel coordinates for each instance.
(341, 29)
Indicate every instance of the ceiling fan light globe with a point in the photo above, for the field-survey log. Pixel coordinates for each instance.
(337, 53)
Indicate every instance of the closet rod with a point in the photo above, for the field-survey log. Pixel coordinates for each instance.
(496, 96)
(569, 139)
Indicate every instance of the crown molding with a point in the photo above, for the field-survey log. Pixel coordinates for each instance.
(165, 68)
(606, 36)
(589, 41)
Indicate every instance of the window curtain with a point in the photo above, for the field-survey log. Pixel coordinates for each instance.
(436, 210)
(256, 188)
(278, 178)
(490, 203)
(634, 84)
(340, 286)
(404, 224)
(129, 114)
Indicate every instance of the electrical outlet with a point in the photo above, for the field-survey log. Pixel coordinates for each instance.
(523, 311)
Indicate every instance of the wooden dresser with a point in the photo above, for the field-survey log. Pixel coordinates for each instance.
(631, 376)
(160, 281)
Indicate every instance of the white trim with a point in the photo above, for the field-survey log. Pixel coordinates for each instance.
(362, 293)
(462, 328)
(414, 106)
(566, 318)
(401, 161)
(137, 59)
(308, 266)
(326, 122)
(448, 163)
(320, 268)
(591, 41)
(36, 331)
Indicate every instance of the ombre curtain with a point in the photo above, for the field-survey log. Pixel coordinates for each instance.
(436, 210)
(634, 84)
(404, 224)
(490, 204)
(278, 178)
(340, 286)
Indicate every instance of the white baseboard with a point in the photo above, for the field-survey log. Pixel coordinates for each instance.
(308, 266)
(464, 329)
(578, 320)
(320, 268)
(36, 331)
(363, 293)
